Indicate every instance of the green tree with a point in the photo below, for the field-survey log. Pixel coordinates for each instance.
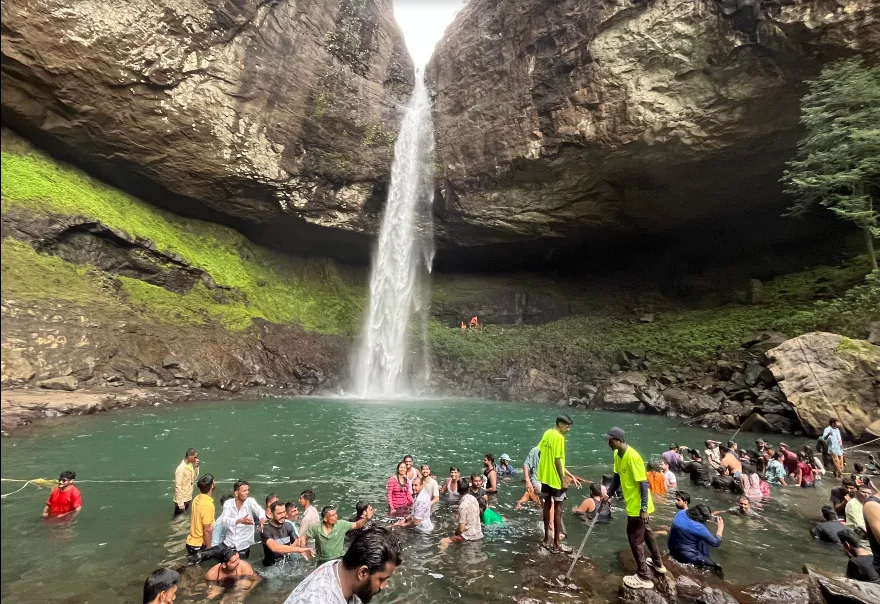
(838, 161)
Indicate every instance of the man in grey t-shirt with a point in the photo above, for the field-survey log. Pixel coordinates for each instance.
(362, 572)
(533, 486)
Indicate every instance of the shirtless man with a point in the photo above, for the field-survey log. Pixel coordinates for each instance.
(233, 572)
(734, 467)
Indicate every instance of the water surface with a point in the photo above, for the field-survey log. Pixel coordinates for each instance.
(344, 451)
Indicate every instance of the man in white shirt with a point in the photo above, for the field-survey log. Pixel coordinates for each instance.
(669, 476)
(713, 453)
(239, 516)
(362, 572)
(429, 483)
(421, 514)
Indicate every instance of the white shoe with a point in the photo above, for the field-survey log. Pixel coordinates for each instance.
(658, 567)
(635, 582)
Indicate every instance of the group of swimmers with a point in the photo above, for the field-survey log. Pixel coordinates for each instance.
(363, 568)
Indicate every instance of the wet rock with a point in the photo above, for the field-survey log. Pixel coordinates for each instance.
(764, 340)
(693, 405)
(66, 382)
(724, 370)
(270, 157)
(825, 375)
(145, 377)
(716, 421)
(737, 409)
(309, 374)
(840, 590)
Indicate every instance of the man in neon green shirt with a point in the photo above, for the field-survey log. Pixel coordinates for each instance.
(551, 475)
(630, 476)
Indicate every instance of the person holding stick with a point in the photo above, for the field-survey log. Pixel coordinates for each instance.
(630, 476)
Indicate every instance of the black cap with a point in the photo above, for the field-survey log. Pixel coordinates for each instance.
(615, 433)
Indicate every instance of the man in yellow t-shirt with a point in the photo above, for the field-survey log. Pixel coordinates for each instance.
(630, 476)
(201, 528)
(551, 475)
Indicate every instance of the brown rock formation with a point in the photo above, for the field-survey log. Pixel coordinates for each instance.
(824, 375)
(625, 118)
(253, 110)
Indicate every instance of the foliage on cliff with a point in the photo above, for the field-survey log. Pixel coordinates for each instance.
(793, 306)
(267, 285)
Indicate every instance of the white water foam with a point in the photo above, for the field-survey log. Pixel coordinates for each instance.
(391, 362)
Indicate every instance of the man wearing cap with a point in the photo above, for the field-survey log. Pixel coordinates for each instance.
(551, 474)
(504, 468)
(630, 476)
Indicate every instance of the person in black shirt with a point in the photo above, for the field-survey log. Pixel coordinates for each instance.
(861, 563)
(841, 495)
(723, 481)
(827, 531)
(278, 537)
(699, 471)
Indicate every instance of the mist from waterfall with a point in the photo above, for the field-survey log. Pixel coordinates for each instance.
(392, 360)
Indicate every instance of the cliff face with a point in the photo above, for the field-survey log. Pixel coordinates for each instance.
(253, 110)
(625, 118)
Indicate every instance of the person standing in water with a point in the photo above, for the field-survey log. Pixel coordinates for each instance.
(592, 505)
(421, 514)
(834, 446)
(239, 517)
(450, 487)
(202, 522)
(279, 538)
(411, 472)
(490, 473)
(398, 491)
(429, 483)
(552, 475)
(310, 514)
(630, 476)
(329, 536)
(65, 499)
(504, 468)
(533, 485)
(184, 478)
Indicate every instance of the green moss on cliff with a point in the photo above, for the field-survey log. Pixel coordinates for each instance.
(679, 336)
(271, 287)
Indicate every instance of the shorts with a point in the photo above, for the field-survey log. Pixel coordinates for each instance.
(192, 549)
(556, 494)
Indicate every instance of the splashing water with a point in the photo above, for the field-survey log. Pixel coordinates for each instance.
(398, 296)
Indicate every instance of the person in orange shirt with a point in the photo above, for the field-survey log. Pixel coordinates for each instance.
(656, 480)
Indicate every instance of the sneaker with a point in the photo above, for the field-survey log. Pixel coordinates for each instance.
(658, 567)
(635, 582)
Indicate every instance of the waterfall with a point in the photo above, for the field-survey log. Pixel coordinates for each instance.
(387, 360)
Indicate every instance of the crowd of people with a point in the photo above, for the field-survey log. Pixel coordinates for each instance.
(356, 557)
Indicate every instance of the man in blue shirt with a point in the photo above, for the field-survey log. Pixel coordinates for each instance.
(834, 445)
(689, 539)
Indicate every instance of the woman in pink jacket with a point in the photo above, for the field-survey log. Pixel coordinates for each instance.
(400, 499)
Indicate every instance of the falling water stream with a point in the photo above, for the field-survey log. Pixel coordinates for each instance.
(388, 363)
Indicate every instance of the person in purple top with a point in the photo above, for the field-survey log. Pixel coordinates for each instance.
(791, 460)
(673, 458)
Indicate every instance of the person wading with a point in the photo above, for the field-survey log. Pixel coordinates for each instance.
(161, 586)
(834, 446)
(202, 522)
(329, 536)
(231, 572)
(184, 478)
(630, 476)
(551, 474)
(279, 537)
(398, 491)
(65, 500)
(239, 516)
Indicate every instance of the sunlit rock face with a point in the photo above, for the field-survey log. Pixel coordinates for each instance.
(571, 118)
(252, 111)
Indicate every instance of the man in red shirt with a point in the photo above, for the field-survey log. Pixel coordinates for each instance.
(65, 499)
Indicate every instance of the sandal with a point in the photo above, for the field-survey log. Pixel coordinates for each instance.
(636, 582)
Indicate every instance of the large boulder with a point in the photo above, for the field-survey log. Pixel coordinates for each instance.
(825, 375)
(616, 117)
(279, 113)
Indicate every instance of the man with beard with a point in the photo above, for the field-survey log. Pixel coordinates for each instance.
(699, 471)
(361, 574)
